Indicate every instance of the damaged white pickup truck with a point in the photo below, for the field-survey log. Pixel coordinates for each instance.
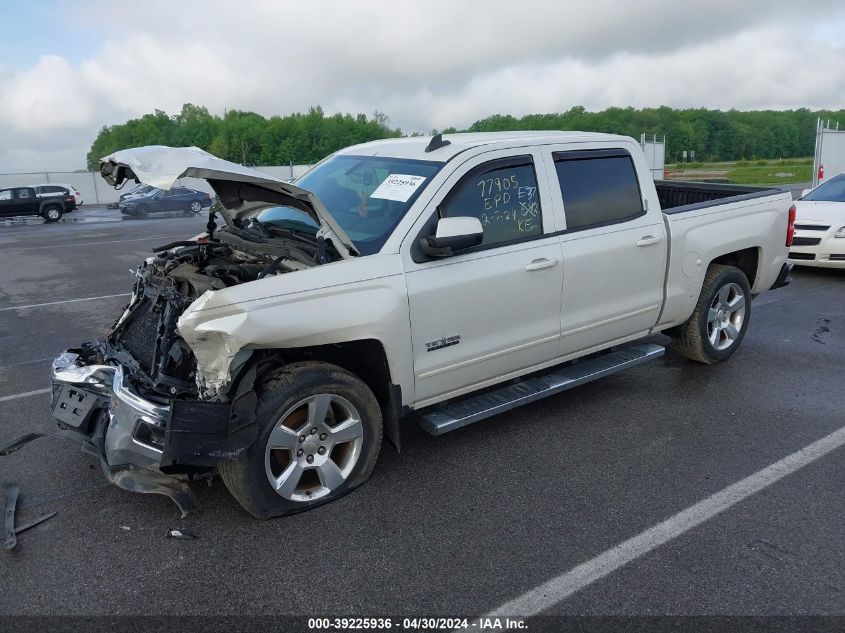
(445, 279)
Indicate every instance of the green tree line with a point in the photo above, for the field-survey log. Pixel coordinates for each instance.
(245, 137)
(714, 135)
(251, 139)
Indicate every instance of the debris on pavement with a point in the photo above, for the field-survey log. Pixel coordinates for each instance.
(22, 441)
(10, 532)
(34, 522)
(183, 534)
(9, 537)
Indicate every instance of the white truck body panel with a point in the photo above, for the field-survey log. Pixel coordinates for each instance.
(515, 308)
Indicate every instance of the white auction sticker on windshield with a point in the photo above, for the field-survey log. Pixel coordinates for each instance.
(398, 187)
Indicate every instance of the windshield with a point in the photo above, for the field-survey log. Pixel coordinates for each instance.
(831, 191)
(367, 195)
(288, 218)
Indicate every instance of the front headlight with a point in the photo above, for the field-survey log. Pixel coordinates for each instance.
(840, 233)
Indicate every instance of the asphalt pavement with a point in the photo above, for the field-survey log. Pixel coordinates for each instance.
(455, 525)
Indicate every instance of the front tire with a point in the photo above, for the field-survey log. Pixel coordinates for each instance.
(196, 207)
(53, 213)
(320, 435)
(720, 319)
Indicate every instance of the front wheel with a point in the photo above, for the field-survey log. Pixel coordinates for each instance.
(720, 319)
(52, 213)
(320, 435)
(196, 206)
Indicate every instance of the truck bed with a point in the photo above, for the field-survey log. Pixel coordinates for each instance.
(678, 197)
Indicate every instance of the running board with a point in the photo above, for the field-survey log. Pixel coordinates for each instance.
(474, 408)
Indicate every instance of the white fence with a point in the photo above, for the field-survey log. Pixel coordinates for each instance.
(655, 154)
(829, 158)
(94, 189)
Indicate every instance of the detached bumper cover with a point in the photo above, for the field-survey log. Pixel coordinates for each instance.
(142, 444)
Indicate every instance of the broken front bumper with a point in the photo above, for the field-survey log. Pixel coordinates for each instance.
(142, 444)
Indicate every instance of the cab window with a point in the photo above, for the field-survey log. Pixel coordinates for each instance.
(6, 194)
(503, 196)
(599, 187)
(22, 194)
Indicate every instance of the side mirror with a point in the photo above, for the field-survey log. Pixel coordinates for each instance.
(452, 235)
(805, 192)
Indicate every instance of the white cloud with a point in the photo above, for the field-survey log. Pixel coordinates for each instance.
(426, 65)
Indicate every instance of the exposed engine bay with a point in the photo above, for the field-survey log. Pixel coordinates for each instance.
(145, 339)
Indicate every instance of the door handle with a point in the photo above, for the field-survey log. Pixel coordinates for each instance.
(540, 264)
(649, 240)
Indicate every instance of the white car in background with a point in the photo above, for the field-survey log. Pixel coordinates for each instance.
(820, 226)
(46, 190)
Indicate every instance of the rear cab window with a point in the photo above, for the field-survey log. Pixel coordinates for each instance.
(599, 188)
(503, 195)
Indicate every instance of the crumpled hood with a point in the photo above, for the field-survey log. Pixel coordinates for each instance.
(161, 166)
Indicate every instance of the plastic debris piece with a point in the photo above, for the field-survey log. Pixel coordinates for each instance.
(183, 533)
(10, 540)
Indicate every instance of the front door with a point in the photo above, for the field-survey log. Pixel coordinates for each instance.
(492, 311)
(6, 203)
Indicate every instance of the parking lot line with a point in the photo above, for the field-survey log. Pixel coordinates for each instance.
(55, 303)
(25, 394)
(561, 587)
(78, 244)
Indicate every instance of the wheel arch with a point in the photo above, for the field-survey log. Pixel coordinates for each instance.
(746, 260)
(45, 204)
(365, 358)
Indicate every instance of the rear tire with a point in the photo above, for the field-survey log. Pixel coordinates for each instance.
(319, 438)
(52, 213)
(196, 207)
(720, 319)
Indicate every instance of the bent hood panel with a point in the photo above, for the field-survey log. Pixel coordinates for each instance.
(161, 166)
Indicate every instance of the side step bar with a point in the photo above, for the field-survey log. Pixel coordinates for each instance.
(474, 408)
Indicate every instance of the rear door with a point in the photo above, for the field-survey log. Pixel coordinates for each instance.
(177, 199)
(492, 311)
(614, 249)
(25, 202)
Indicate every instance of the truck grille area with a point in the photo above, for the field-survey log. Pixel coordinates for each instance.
(162, 364)
(811, 227)
(793, 255)
(140, 337)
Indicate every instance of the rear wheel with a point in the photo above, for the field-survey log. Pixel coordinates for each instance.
(320, 436)
(720, 319)
(52, 213)
(196, 206)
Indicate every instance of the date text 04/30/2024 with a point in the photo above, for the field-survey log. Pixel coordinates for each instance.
(480, 624)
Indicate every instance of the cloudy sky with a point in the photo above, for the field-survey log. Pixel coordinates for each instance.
(69, 67)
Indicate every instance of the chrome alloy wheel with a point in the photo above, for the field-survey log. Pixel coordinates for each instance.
(53, 214)
(313, 447)
(726, 316)
(196, 207)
